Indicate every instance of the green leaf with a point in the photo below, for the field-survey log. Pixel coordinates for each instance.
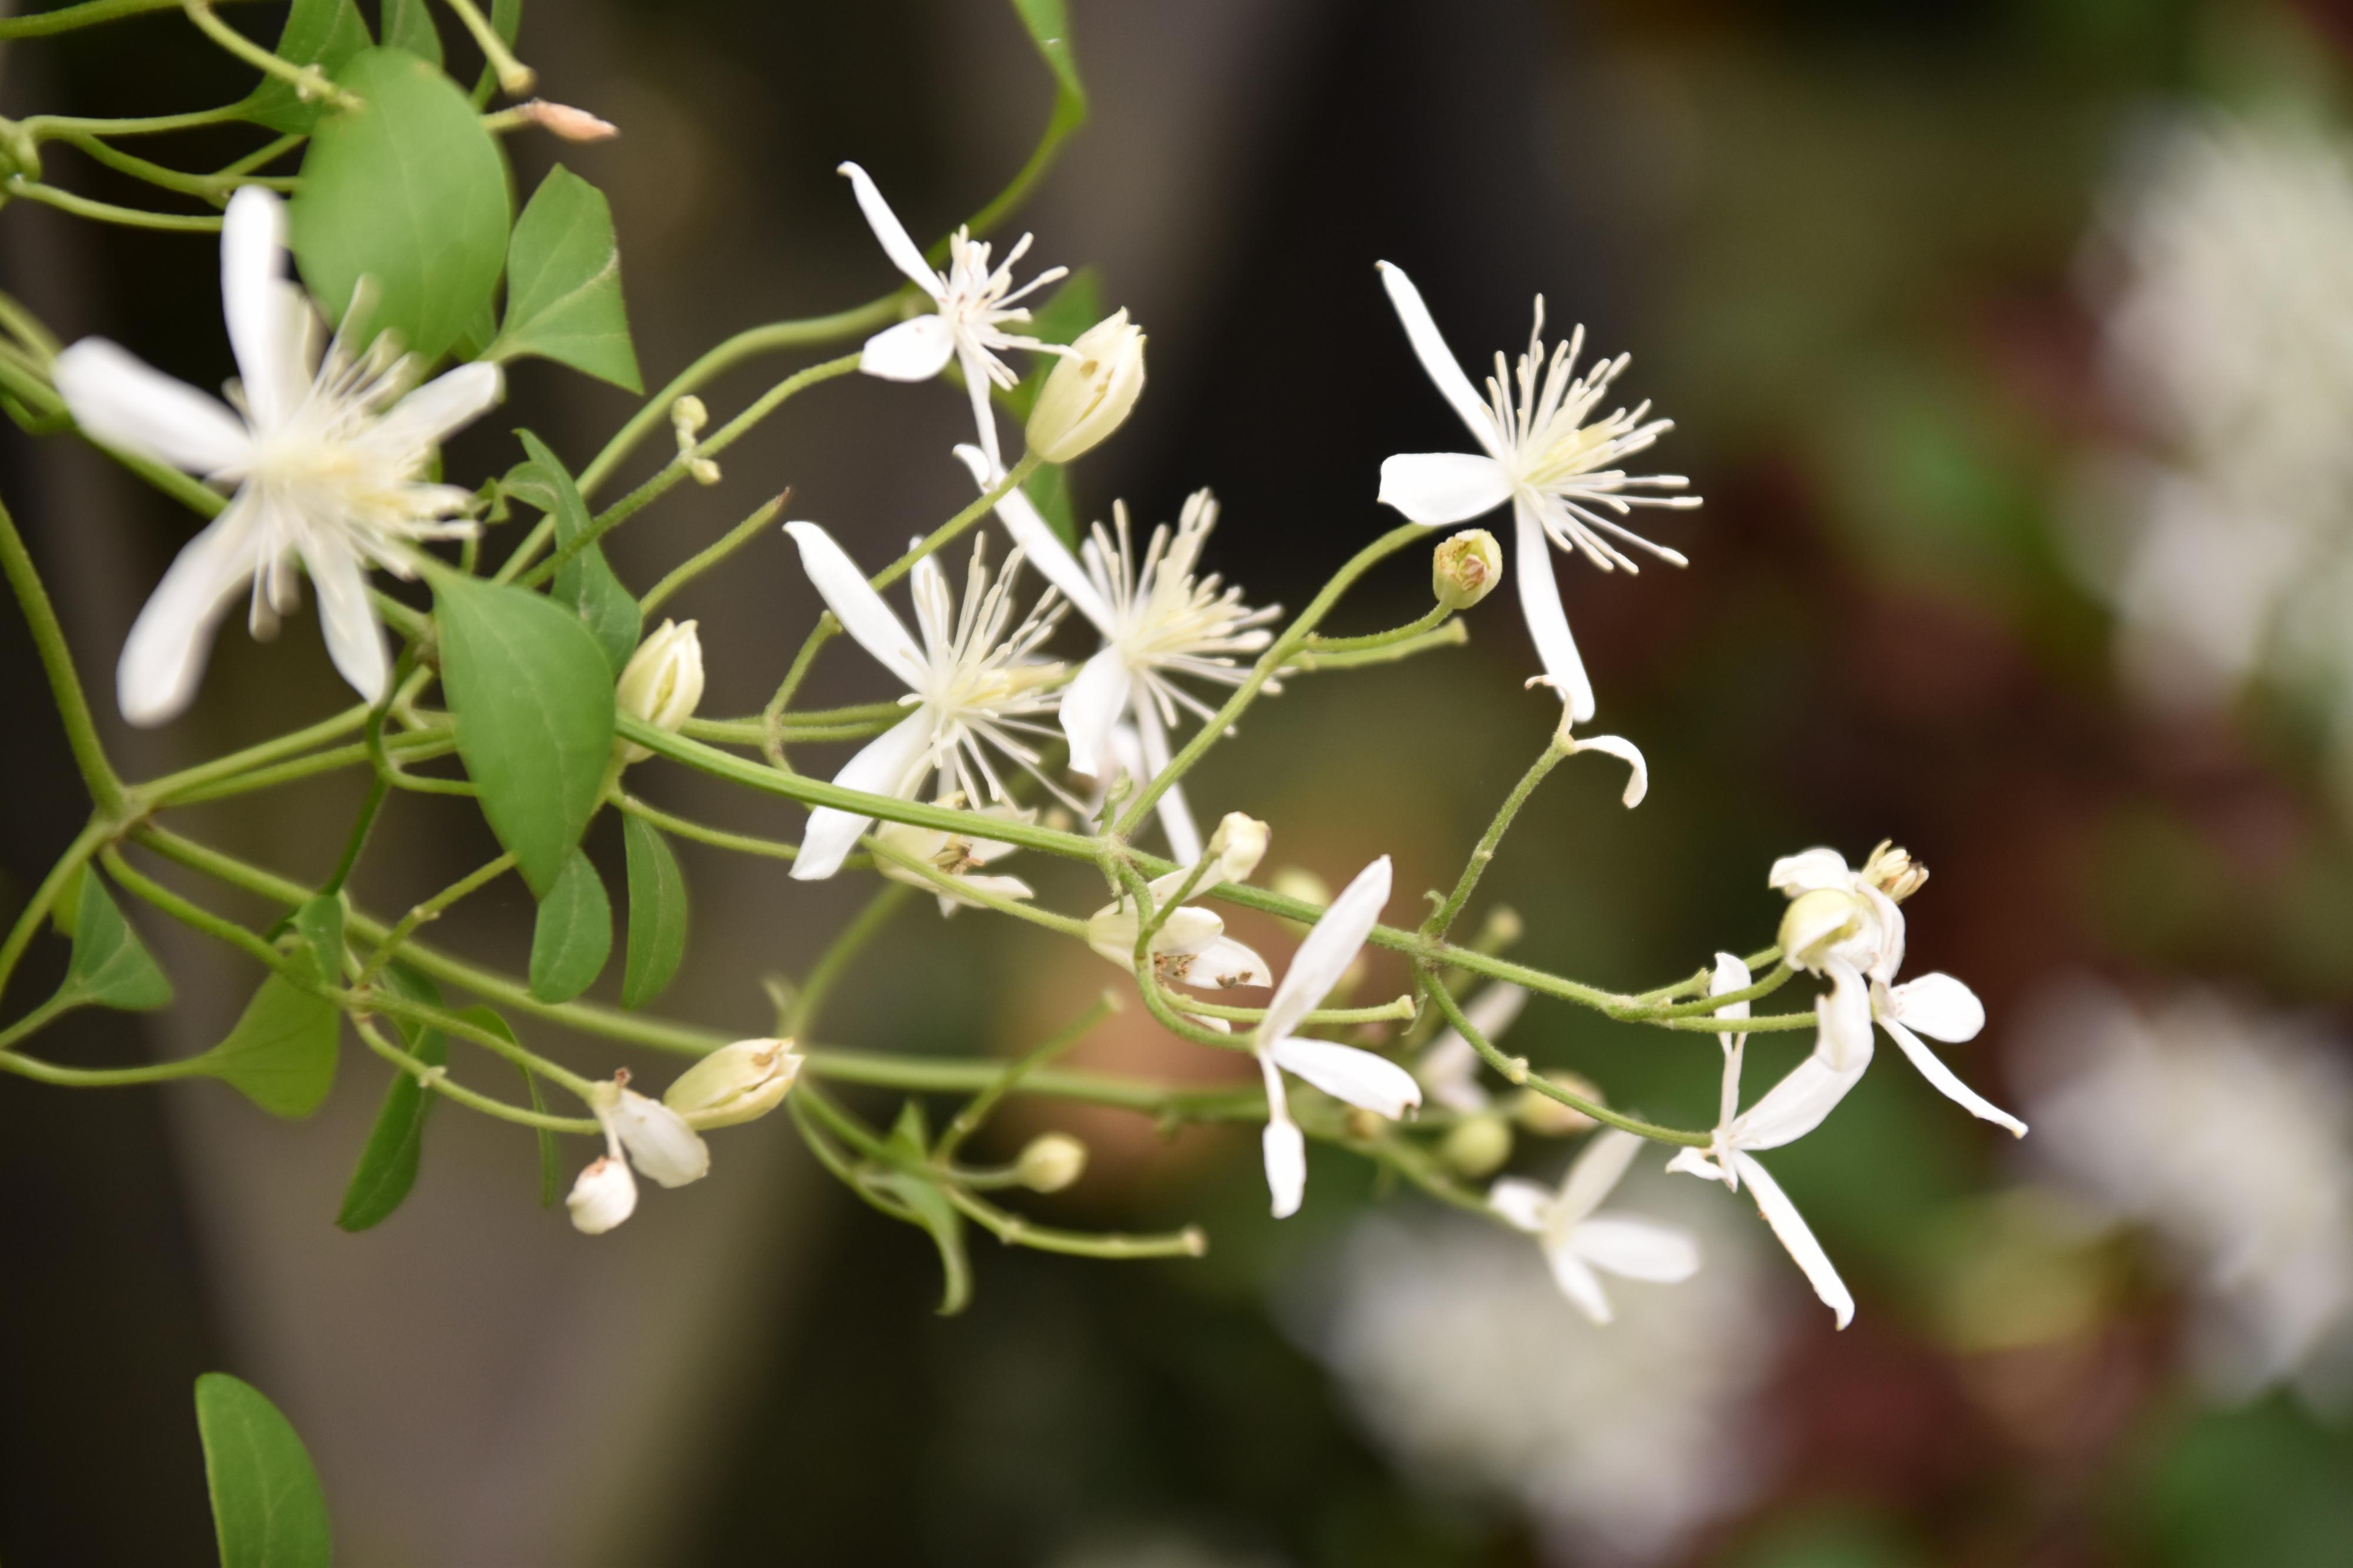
(409, 192)
(269, 1510)
(657, 914)
(110, 968)
(563, 283)
(1048, 490)
(534, 699)
(550, 1164)
(281, 1053)
(388, 1166)
(573, 935)
(408, 26)
(64, 909)
(478, 333)
(933, 1211)
(586, 582)
(1050, 28)
(323, 33)
(320, 921)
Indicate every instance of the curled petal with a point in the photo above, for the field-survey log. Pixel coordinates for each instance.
(1695, 1162)
(1330, 946)
(164, 655)
(856, 604)
(120, 399)
(1636, 1249)
(1225, 962)
(904, 253)
(658, 1140)
(1809, 869)
(1438, 488)
(1948, 1083)
(1937, 1006)
(1639, 783)
(1731, 974)
(1597, 1170)
(604, 1196)
(1373, 1082)
(1438, 360)
(888, 764)
(1548, 622)
(1790, 1226)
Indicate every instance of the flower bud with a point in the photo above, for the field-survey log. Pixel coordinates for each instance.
(657, 1139)
(1299, 882)
(662, 682)
(1548, 1118)
(1817, 921)
(1465, 568)
(736, 1083)
(1090, 392)
(688, 415)
(1052, 1161)
(1892, 872)
(1477, 1146)
(572, 124)
(605, 1195)
(1238, 846)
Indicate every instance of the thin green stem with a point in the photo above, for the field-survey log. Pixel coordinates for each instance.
(437, 1079)
(261, 156)
(430, 909)
(1372, 640)
(515, 77)
(1016, 1231)
(208, 187)
(1313, 661)
(1387, 1012)
(889, 1070)
(976, 1109)
(101, 1077)
(1441, 919)
(1515, 1070)
(36, 909)
(309, 82)
(703, 560)
(195, 917)
(89, 14)
(717, 837)
(161, 791)
(98, 776)
(962, 890)
(839, 955)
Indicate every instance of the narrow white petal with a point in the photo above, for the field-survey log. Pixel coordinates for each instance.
(1040, 545)
(1523, 1204)
(1577, 1282)
(889, 764)
(1809, 869)
(904, 253)
(1796, 1106)
(1790, 1226)
(1176, 812)
(1283, 1147)
(1947, 1083)
(1330, 946)
(1695, 1162)
(164, 655)
(431, 414)
(1091, 704)
(1939, 1006)
(1636, 1249)
(1437, 487)
(1548, 622)
(1598, 1169)
(854, 603)
(1731, 974)
(1373, 1082)
(1223, 962)
(1638, 780)
(1438, 361)
(1843, 1018)
(915, 349)
(261, 330)
(121, 400)
(347, 618)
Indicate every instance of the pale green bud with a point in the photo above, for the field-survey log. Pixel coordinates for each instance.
(1052, 1161)
(1238, 846)
(662, 683)
(1477, 1146)
(1548, 1118)
(1465, 568)
(1817, 922)
(736, 1083)
(1090, 392)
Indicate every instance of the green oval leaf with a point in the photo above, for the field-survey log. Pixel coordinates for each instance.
(408, 26)
(387, 1167)
(409, 192)
(109, 967)
(584, 581)
(532, 696)
(931, 1209)
(573, 935)
(657, 914)
(563, 283)
(281, 1053)
(269, 1510)
(323, 33)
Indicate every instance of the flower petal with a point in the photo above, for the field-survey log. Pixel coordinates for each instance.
(1638, 780)
(121, 400)
(861, 611)
(1695, 1162)
(1437, 487)
(1577, 1282)
(1843, 1019)
(1947, 1083)
(1330, 946)
(1548, 622)
(1343, 1072)
(1040, 543)
(266, 338)
(1091, 704)
(1223, 962)
(1939, 1005)
(164, 655)
(431, 414)
(1523, 1204)
(1796, 1106)
(660, 1142)
(1176, 814)
(888, 764)
(1809, 869)
(1449, 1071)
(914, 350)
(1285, 1151)
(1731, 974)
(347, 618)
(904, 253)
(1438, 361)
(1636, 1249)
(1790, 1226)
(1599, 1166)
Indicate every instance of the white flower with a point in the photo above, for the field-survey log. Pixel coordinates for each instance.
(1158, 625)
(1191, 947)
(1449, 1067)
(956, 855)
(1360, 1077)
(657, 1139)
(1576, 1241)
(604, 1196)
(1543, 452)
(975, 304)
(327, 458)
(662, 683)
(973, 684)
(1790, 1110)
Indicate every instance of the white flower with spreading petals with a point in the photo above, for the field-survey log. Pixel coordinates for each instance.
(1360, 1077)
(957, 856)
(1542, 451)
(1191, 947)
(326, 459)
(1790, 1110)
(975, 303)
(1158, 623)
(1576, 1241)
(653, 1137)
(974, 683)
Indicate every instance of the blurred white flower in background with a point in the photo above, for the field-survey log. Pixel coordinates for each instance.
(1455, 1348)
(2228, 1133)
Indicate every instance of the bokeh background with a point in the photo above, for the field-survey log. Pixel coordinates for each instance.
(2012, 348)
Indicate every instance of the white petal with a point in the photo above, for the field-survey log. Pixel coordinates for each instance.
(262, 331)
(856, 604)
(1523, 1204)
(1091, 704)
(1731, 974)
(1343, 1072)
(1890, 957)
(890, 765)
(1285, 1149)
(660, 1142)
(1184, 835)
(1694, 1163)
(1040, 543)
(347, 618)
(1809, 869)
(1843, 1019)
(1790, 1226)
(121, 400)
(1948, 1083)
(915, 349)
(1638, 782)
(1598, 1169)
(1577, 1282)
(431, 414)
(904, 253)
(1437, 487)
(1796, 1106)
(1224, 962)
(604, 1196)
(1548, 622)
(1438, 361)
(165, 654)
(1938, 1006)
(1636, 1249)
(1330, 946)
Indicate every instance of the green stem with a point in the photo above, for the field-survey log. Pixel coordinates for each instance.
(268, 153)
(101, 1077)
(107, 212)
(976, 1109)
(1441, 920)
(309, 82)
(1311, 661)
(1015, 1231)
(430, 909)
(160, 791)
(1515, 1070)
(437, 1079)
(838, 953)
(889, 1070)
(703, 560)
(1373, 640)
(36, 909)
(209, 187)
(513, 76)
(98, 775)
(717, 837)
(89, 14)
(963, 892)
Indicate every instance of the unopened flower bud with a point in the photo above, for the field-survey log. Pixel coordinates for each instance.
(736, 1083)
(605, 1195)
(1052, 1161)
(1238, 846)
(662, 682)
(1548, 1118)
(658, 1140)
(1477, 1146)
(688, 415)
(572, 124)
(1299, 882)
(702, 470)
(1817, 922)
(1892, 872)
(1090, 392)
(1365, 1126)
(1504, 928)
(1465, 568)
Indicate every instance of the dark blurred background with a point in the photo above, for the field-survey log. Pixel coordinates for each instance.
(1857, 253)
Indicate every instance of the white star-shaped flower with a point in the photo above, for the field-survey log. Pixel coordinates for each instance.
(1542, 451)
(326, 459)
(973, 684)
(975, 303)
(1576, 1241)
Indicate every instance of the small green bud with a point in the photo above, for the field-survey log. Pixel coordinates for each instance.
(1548, 1118)
(1477, 1146)
(1465, 568)
(1052, 1161)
